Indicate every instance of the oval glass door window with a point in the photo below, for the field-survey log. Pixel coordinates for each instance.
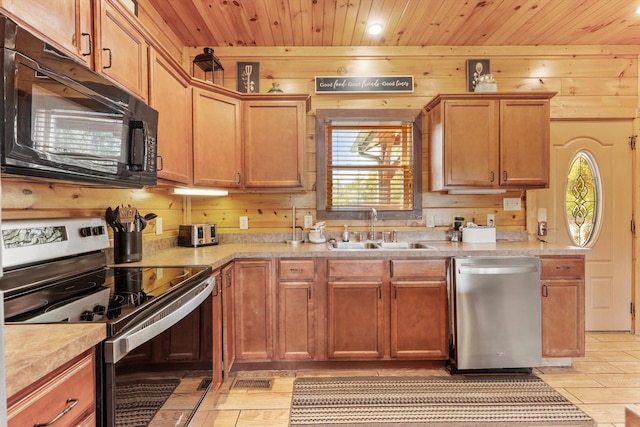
(582, 199)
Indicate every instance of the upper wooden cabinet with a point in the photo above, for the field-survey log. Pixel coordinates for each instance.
(217, 137)
(248, 142)
(122, 53)
(66, 23)
(489, 140)
(170, 95)
(274, 147)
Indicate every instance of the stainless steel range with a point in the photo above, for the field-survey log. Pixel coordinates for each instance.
(56, 271)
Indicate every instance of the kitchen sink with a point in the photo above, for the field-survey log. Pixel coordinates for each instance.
(406, 245)
(380, 245)
(353, 245)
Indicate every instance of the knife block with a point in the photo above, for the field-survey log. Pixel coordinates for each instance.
(127, 247)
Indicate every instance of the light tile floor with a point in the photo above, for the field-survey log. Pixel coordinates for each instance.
(601, 384)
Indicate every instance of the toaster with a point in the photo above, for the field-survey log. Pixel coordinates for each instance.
(194, 235)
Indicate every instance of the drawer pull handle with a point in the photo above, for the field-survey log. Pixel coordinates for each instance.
(72, 402)
(296, 270)
(563, 267)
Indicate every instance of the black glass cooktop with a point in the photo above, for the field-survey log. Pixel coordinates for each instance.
(113, 295)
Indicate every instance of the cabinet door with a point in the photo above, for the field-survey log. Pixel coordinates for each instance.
(563, 318)
(216, 336)
(471, 143)
(170, 94)
(524, 143)
(296, 321)
(228, 335)
(296, 309)
(274, 150)
(66, 23)
(253, 293)
(355, 316)
(419, 319)
(216, 139)
(123, 53)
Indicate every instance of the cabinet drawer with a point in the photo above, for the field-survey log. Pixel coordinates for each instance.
(562, 267)
(418, 268)
(356, 268)
(73, 382)
(298, 269)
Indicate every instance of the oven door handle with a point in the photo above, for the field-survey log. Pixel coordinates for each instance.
(158, 321)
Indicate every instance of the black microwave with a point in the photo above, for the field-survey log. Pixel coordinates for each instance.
(63, 121)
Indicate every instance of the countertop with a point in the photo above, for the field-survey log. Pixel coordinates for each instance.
(219, 255)
(32, 351)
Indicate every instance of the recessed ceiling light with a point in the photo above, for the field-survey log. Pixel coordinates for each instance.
(638, 11)
(375, 29)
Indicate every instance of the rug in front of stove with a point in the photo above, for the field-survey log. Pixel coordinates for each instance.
(451, 401)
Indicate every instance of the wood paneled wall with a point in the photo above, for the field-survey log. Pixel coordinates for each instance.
(35, 199)
(592, 82)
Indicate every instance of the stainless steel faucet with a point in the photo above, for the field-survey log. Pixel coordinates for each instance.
(372, 218)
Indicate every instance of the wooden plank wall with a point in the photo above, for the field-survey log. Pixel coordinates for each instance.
(591, 82)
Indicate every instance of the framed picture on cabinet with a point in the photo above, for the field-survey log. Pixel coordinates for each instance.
(475, 69)
(248, 77)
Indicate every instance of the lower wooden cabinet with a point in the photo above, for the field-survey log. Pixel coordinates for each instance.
(419, 310)
(68, 392)
(228, 322)
(387, 309)
(253, 310)
(296, 309)
(216, 336)
(563, 306)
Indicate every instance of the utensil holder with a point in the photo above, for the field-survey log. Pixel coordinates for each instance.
(127, 247)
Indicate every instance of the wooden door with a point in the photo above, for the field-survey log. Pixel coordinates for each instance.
(471, 143)
(608, 271)
(217, 135)
(524, 143)
(253, 308)
(170, 95)
(122, 52)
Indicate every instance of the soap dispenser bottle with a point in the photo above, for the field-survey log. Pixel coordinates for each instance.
(345, 234)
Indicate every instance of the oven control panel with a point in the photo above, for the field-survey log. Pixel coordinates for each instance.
(27, 241)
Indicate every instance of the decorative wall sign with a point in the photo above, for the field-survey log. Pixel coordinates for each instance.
(475, 69)
(339, 84)
(248, 77)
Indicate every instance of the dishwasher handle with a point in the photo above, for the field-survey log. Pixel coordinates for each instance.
(496, 269)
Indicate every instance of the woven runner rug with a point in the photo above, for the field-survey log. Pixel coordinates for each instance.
(456, 401)
(138, 401)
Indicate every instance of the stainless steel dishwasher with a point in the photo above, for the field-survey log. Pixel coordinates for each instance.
(495, 307)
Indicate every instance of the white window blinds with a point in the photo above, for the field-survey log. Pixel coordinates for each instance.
(369, 165)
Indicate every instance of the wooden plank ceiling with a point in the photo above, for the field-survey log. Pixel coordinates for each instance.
(405, 22)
